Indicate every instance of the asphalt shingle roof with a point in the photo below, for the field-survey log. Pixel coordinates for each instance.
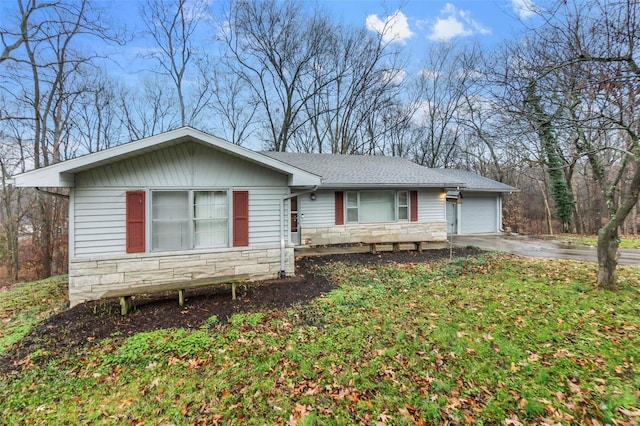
(364, 170)
(476, 182)
(370, 170)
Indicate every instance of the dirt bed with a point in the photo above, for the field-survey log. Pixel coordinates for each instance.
(90, 322)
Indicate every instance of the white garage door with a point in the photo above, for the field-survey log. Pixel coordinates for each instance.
(479, 214)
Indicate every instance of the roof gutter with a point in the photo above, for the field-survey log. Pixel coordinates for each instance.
(283, 269)
(56, 194)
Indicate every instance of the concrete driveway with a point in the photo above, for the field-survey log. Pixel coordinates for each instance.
(535, 247)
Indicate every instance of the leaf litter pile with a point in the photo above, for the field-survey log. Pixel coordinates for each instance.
(485, 339)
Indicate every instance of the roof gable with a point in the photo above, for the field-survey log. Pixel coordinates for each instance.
(62, 174)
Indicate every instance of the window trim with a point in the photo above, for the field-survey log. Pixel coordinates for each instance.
(191, 220)
(396, 201)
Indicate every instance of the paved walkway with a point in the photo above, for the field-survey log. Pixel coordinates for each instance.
(535, 247)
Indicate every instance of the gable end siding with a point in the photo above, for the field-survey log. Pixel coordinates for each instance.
(187, 165)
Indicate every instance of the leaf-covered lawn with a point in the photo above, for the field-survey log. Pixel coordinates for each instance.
(487, 340)
(24, 305)
(590, 240)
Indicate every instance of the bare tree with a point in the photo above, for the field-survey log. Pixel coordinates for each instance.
(173, 25)
(147, 110)
(43, 85)
(96, 122)
(359, 76)
(12, 212)
(275, 47)
(233, 103)
(12, 39)
(443, 89)
(585, 67)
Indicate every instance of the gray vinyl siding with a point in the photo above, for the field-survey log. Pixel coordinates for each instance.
(431, 206)
(188, 165)
(319, 212)
(99, 220)
(478, 214)
(99, 216)
(264, 215)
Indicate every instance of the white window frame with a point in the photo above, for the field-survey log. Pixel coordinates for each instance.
(191, 218)
(397, 206)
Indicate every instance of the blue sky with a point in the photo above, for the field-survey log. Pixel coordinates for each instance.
(413, 23)
(420, 21)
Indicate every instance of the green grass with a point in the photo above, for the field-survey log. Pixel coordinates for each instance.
(591, 240)
(477, 341)
(24, 305)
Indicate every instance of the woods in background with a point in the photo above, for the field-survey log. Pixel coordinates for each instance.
(553, 113)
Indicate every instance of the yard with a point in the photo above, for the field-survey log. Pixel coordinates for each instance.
(486, 339)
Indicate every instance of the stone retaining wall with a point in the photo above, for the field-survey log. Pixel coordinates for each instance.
(90, 278)
(374, 232)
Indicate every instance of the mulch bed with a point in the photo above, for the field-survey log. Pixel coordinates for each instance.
(90, 322)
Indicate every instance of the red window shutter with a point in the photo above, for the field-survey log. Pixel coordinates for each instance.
(414, 206)
(135, 221)
(339, 208)
(240, 218)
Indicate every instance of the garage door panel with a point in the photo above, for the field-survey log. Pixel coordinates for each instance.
(478, 215)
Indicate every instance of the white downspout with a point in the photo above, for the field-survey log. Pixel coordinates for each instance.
(283, 266)
(500, 228)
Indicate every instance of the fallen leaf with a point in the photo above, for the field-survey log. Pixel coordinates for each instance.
(629, 413)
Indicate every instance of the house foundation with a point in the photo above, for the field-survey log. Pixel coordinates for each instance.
(378, 232)
(90, 278)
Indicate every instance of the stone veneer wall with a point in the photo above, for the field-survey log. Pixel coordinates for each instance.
(91, 277)
(375, 232)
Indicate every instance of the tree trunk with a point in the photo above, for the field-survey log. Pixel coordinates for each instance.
(608, 243)
(44, 236)
(547, 208)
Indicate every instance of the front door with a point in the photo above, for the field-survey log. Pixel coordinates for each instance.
(295, 234)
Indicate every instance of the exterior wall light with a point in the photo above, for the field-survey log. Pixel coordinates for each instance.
(313, 196)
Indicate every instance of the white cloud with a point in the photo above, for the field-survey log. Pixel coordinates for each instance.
(394, 28)
(524, 8)
(456, 23)
(422, 111)
(395, 77)
(429, 74)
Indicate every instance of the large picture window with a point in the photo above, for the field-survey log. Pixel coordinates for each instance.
(182, 220)
(377, 206)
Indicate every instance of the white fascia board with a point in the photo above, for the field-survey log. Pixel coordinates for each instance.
(304, 179)
(47, 177)
(61, 174)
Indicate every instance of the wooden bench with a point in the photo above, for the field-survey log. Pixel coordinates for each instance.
(125, 293)
(373, 245)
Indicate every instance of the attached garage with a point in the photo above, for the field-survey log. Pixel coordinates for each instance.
(476, 214)
(480, 209)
